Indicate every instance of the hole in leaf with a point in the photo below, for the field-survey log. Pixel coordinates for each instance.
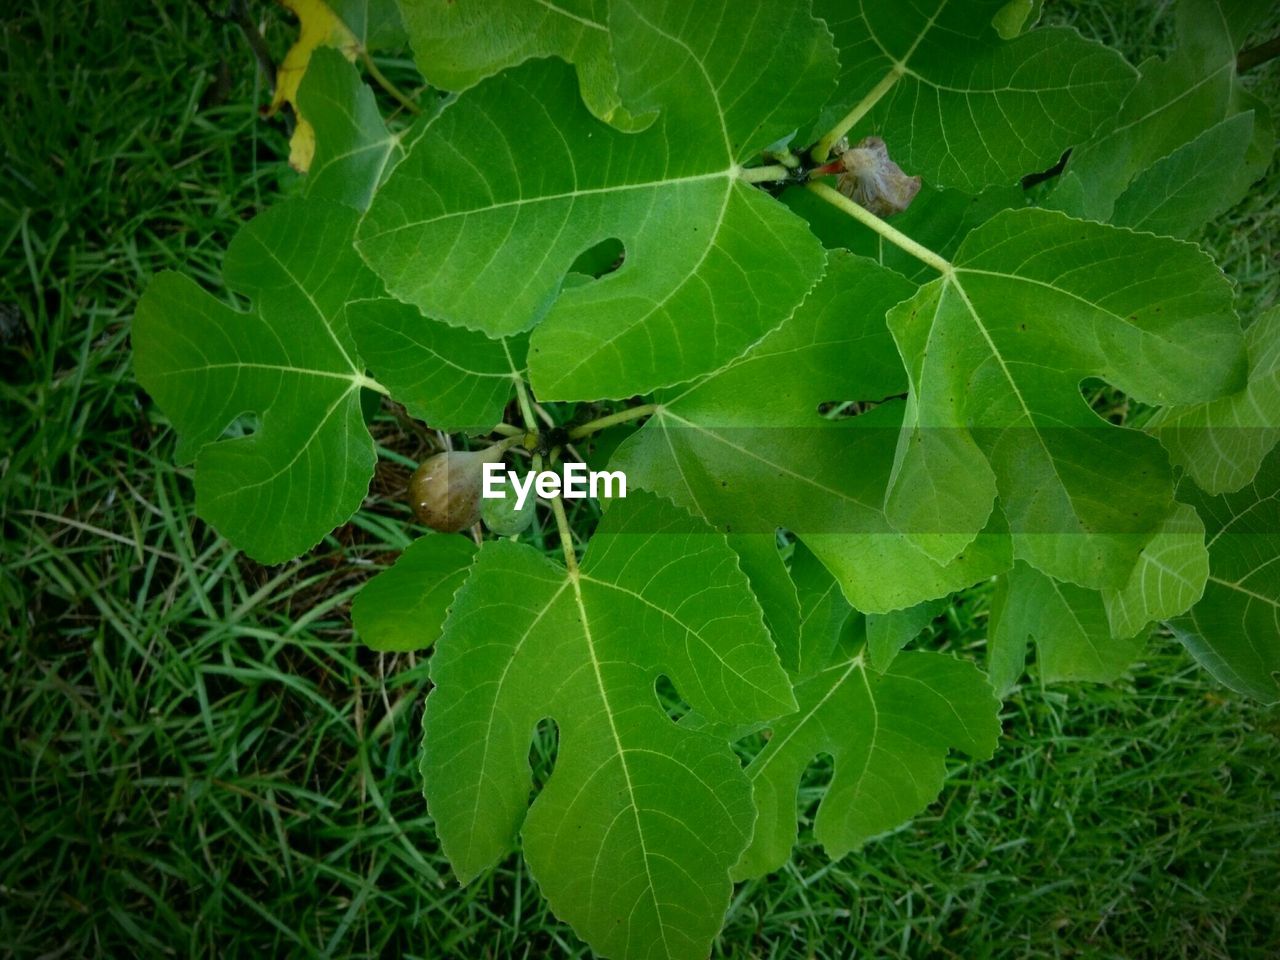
(669, 699)
(749, 747)
(1110, 404)
(542, 752)
(604, 258)
(245, 425)
(844, 409)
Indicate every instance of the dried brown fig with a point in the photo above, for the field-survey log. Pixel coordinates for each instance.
(445, 489)
(872, 180)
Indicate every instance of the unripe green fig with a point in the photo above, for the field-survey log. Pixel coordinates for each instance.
(445, 489)
(501, 516)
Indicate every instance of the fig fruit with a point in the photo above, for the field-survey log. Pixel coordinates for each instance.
(445, 489)
(503, 518)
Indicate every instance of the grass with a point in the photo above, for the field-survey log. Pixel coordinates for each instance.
(196, 758)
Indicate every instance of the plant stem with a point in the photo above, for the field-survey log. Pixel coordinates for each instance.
(526, 408)
(784, 157)
(566, 532)
(822, 149)
(869, 219)
(508, 430)
(622, 416)
(505, 444)
(764, 174)
(388, 86)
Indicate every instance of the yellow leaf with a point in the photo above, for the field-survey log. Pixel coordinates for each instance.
(320, 27)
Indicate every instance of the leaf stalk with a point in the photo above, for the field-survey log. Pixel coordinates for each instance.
(892, 234)
(822, 149)
(381, 79)
(775, 171)
(565, 531)
(622, 416)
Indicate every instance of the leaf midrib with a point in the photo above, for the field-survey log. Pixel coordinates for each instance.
(574, 579)
(728, 173)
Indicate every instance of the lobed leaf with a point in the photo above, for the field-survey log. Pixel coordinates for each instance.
(481, 222)
(633, 836)
(291, 363)
(888, 733)
(996, 350)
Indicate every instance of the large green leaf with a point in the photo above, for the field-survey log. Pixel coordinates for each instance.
(751, 459)
(996, 350)
(458, 43)
(1175, 103)
(633, 836)
(480, 223)
(888, 733)
(403, 608)
(1222, 443)
(1234, 631)
(957, 104)
(290, 362)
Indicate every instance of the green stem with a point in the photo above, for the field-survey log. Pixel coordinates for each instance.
(382, 81)
(622, 416)
(822, 149)
(526, 408)
(502, 446)
(763, 174)
(869, 219)
(784, 157)
(566, 532)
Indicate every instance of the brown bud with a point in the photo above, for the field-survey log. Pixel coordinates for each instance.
(445, 489)
(873, 181)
